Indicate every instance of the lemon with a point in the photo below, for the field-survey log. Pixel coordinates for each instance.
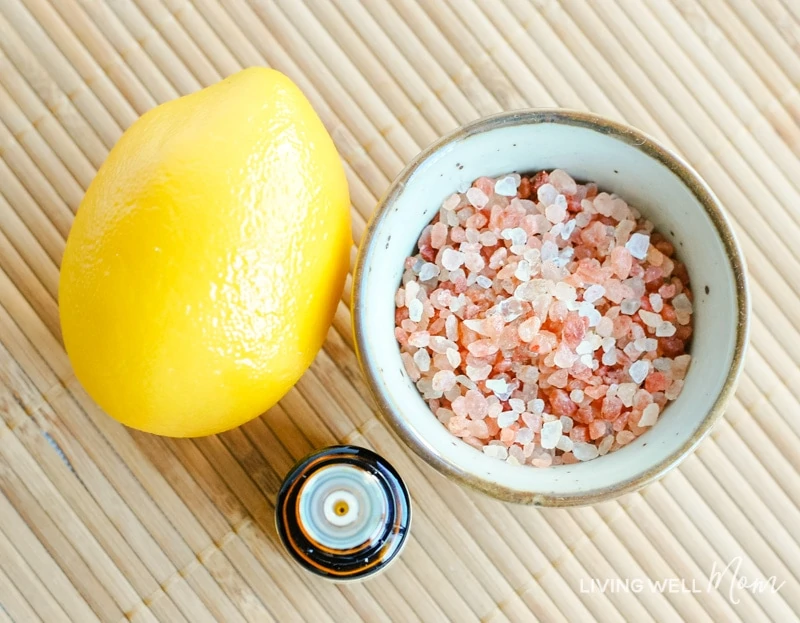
(207, 258)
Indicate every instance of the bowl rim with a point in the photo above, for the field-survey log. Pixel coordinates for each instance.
(652, 148)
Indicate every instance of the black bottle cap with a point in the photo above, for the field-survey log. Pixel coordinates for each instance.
(343, 513)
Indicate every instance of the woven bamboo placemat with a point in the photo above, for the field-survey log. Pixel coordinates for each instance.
(101, 523)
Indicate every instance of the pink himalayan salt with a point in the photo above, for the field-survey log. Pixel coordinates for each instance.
(480, 346)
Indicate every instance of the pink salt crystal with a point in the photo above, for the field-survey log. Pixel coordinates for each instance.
(624, 437)
(542, 460)
(556, 213)
(485, 184)
(532, 421)
(478, 428)
(564, 356)
(483, 348)
(438, 235)
(507, 436)
(604, 204)
(611, 408)
(597, 429)
(419, 339)
(476, 404)
(680, 365)
(649, 415)
(558, 379)
(560, 403)
(443, 380)
(621, 262)
(563, 182)
(410, 366)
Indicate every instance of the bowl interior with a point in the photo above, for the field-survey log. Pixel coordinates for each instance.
(618, 163)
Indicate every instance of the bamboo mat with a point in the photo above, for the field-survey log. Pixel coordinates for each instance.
(98, 522)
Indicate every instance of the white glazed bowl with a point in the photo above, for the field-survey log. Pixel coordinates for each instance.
(621, 160)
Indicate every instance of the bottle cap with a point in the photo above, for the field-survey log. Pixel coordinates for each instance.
(343, 513)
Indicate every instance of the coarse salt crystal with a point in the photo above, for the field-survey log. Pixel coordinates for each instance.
(638, 244)
(630, 306)
(610, 358)
(506, 186)
(536, 405)
(665, 329)
(565, 444)
(415, 309)
(604, 446)
(428, 272)
(507, 418)
(517, 405)
(484, 281)
(656, 302)
(550, 434)
(452, 259)
(453, 357)
(477, 197)
(651, 319)
(422, 359)
(638, 371)
(497, 452)
(585, 451)
(649, 415)
(576, 395)
(524, 435)
(498, 386)
(593, 293)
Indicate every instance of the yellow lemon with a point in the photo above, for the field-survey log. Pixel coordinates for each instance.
(207, 258)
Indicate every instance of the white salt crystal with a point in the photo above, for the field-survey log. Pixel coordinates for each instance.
(665, 329)
(498, 386)
(587, 310)
(466, 381)
(452, 393)
(517, 405)
(506, 186)
(536, 405)
(569, 227)
(604, 446)
(440, 344)
(649, 415)
(576, 396)
(662, 364)
(610, 357)
(608, 343)
(488, 239)
(478, 373)
(656, 302)
(512, 460)
(638, 371)
(517, 236)
(531, 289)
(549, 251)
(630, 306)
(650, 345)
(582, 219)
(451, 328)
(496, 452)
(523, 271)
(546, 194)
(638, 244)
(428, 272)
(593, 293)
(585, 451)
(484, 281)
(565, 292)
(565, 444)
(415, 310)
(584, 348)
(453, 357)
(418, 264)
(507, 418)
(452, 259)
(524, 435)
(412, 289)
(423, 360)
(639, 344)
(566, 423)
(651, 319)
(551, 433)
(477, 197)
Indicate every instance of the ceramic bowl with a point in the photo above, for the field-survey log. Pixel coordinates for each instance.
(620, 159)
